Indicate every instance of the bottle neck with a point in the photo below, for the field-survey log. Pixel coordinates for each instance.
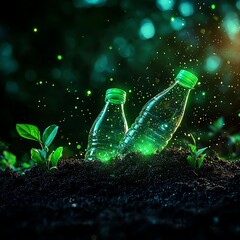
(117, 107)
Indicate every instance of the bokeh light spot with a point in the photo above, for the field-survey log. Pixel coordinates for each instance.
(212, 63)
(35, 29)
(213, 6)
(231, 25)
(165, 5)
(101, 64)
(177, 23)
(79, 146)
(59, 57)
(88, 3)
(88, 92)
(238, 5)
(147, 29)
(186, 9)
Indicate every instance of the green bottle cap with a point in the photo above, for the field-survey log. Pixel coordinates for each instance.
(115, 95)
(186, 79)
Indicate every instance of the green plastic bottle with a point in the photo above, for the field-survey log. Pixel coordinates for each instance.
(109, 127)
(159, 118)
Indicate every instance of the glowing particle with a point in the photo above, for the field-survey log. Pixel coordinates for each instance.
(172, 19)
(203, 93)
(186, 9)
(130, 91)
(110, 47)
(213, 6)
(69, 143)
(40, 82)
(239, 114)
(59, 57)
(89, 92)
(79, 146)
(76, 107)
(111, 79)
(35, 29)
(147, 29)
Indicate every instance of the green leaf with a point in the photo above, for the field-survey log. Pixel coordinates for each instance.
(43, 154)
(53, 168)
(5, 162)
(193, 148)
(11, 158)
(200, 160)
(26, 165)
(191, 161)
(28, 131)
(57, 154)
(194, 141)
(200, 151)
(49, 134)
(36, 156)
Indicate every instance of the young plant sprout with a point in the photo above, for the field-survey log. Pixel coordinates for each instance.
(41, 157)
(8, 161)
(196, 159)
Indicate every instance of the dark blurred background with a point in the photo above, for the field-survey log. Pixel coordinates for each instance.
(58, 58)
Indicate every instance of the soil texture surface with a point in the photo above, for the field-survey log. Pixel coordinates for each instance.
(157, 197)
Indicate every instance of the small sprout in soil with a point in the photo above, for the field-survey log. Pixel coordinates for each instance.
(41, 157)
(195, 160)
(8, 161)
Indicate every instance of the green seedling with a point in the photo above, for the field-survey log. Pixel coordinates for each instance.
(196, 158)
(8, 161)
(42, 157)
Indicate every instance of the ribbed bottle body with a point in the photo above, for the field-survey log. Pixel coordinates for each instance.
(157, 122)
(106, 133)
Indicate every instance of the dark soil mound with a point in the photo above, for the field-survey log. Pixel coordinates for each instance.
(159, 197)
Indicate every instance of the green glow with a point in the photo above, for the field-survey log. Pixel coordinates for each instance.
(177, 23)
(165, 5)
(172, 19)
(147, 29)
(239, 114)
(79, 146)
(59, 57)
(105, 156)
(89, 92)
(213, 6)
(203, 93)
(35, 29)
(186, 9)
(110, 47)
(145, 148)
(111, 79)
(212, 63)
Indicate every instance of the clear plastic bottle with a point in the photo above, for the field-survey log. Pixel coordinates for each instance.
(159, 118)
(109, 127)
